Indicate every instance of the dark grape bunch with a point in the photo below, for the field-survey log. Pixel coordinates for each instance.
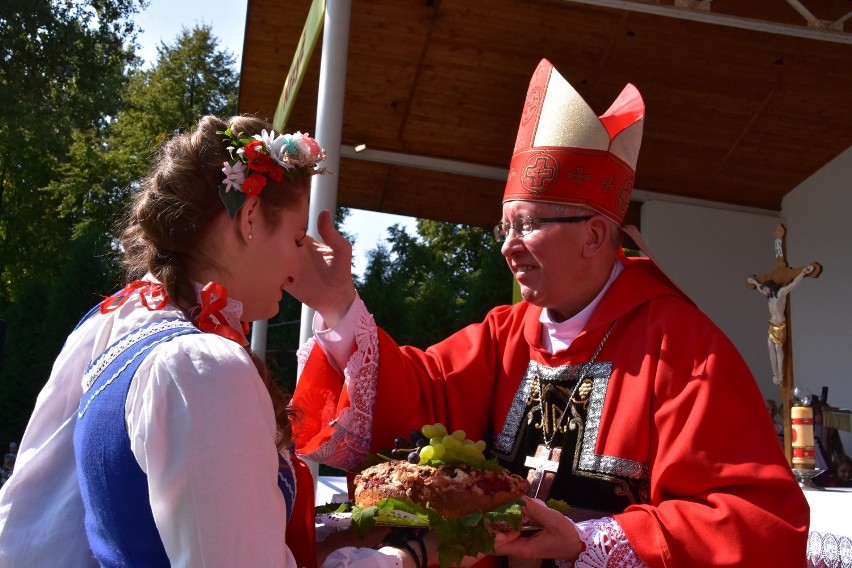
(433, 445)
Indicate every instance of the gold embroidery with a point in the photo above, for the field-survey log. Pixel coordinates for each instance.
(584, 389)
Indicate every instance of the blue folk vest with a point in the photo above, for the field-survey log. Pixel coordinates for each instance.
(119, 521)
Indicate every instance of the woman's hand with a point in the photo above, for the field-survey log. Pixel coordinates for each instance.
(325, 281)
(558, 538)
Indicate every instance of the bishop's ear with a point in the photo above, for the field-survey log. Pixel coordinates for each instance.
(600, 234)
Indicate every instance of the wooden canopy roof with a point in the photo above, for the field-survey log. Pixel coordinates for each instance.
(744, 99)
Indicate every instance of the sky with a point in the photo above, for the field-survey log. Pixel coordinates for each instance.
(163, 20)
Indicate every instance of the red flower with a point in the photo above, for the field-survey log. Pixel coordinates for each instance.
(258, 161)
(262, 163)
(251, 149)
(277, 174)
(254, 184)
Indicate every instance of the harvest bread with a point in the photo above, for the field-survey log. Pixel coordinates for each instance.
(451, 490)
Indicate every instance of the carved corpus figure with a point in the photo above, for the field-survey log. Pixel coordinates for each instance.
(776, 296)
(776, 286)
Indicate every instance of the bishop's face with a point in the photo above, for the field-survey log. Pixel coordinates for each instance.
(548, 261)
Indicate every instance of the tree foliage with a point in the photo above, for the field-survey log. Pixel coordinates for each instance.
(62, 63)
(45, 312)
(429, 285)
(67, 173)
(191, 78)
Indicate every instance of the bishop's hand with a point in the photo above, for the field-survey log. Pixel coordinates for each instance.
(325, 279)
(558, 538)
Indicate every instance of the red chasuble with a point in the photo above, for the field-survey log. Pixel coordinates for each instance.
(674, 410)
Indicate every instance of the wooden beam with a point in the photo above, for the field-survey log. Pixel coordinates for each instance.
(699, 15)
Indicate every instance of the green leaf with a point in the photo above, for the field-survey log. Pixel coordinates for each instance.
(233, 200)
(470, 535)
(363, 519)
(509, 513)
(558, 505)
(394, 504)
(457, 538)
(332, 508)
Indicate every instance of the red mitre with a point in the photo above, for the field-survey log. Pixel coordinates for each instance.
(565, 153)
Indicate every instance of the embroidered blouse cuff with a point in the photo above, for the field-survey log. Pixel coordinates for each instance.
(338, 342)
(606, 546)
(350, 440)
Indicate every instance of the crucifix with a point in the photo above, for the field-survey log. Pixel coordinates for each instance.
(545, 462)
(543, 466)
(776, 286)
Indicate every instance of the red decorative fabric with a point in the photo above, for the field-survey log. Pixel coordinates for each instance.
(214, 298)
(572, 176)
(317, 406)
(147, 290)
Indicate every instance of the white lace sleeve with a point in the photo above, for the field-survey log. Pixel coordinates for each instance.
(606, 547)
(350, 443)
(303, 353)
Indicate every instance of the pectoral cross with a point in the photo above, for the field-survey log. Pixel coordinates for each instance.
(543, 466)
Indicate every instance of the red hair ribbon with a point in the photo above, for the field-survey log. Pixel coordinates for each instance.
(152, 289)
(211, 320)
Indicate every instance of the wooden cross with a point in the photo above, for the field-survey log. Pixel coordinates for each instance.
(776, 286)
(543, 466)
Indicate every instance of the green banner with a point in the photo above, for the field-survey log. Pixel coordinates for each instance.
(310, 33)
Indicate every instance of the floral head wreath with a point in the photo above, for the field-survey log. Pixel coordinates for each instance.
(263, 156)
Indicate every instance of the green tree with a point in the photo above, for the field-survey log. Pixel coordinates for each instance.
(63, 64)
(43, 315)
(434, 283)
(86, 180)
(191, 78)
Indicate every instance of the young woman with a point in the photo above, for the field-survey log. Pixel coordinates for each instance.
(180, 436)
(184, 460)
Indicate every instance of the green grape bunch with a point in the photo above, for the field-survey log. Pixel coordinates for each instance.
(434, 445)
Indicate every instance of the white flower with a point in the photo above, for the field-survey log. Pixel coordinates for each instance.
(234, 176)
(276, 146)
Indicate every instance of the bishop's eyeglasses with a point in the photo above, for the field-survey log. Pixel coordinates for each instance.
(526, 226)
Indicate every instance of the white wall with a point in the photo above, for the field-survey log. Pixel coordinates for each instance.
(819, 228)
(709, 253)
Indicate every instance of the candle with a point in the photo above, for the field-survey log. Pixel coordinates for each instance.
(803, 437)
